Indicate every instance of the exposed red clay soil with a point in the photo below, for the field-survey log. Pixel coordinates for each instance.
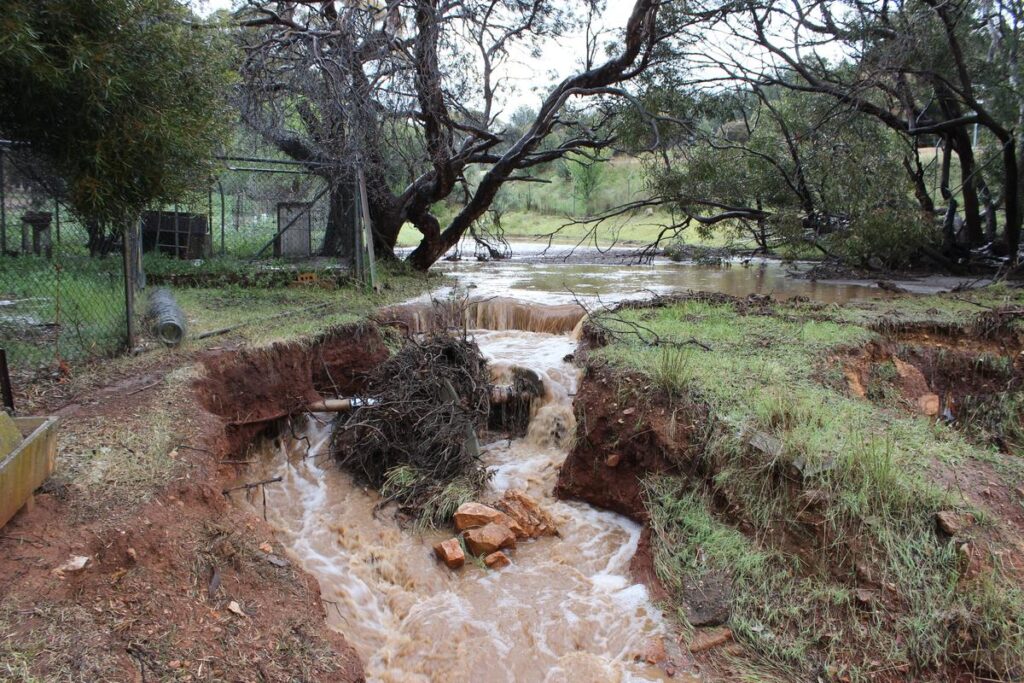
(182, 587)
(249, 389)
(861, 367)
(966, 373)
(989, 332)
(618, 444)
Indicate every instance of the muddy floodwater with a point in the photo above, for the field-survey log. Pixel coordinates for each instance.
(612, 276)
(559, 273)
(564, 610)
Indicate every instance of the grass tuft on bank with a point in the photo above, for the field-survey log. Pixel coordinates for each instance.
(818, 505)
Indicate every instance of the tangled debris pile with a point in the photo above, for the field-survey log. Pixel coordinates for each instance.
(416, 440)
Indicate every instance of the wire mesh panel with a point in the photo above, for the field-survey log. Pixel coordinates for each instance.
(61, 281)
(250, 197)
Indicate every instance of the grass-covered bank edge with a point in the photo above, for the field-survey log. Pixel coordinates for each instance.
(829, 539)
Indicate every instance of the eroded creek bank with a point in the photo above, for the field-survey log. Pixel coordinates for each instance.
(567, 608)
(581, 606)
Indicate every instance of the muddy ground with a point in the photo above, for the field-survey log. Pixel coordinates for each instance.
(180, 584)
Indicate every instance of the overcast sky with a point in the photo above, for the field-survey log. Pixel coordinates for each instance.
(530, 76)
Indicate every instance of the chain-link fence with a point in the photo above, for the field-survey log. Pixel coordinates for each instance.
(62, 294)
(257, 199)
(255, 208)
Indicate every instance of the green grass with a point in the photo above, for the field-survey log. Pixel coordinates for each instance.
(70, 307)
(626, 231)
(440, 505)
(873, 472)
(281, 313)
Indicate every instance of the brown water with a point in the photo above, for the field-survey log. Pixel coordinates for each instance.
(491, 313)
(565, 610)
(551, 282)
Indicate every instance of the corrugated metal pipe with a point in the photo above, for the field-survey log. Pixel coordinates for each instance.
(166, 317)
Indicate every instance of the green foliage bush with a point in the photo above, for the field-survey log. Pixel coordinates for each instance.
(124, 98)
(833, 183)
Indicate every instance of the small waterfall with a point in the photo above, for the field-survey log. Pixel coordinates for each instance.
(565, 610)
(497, 313)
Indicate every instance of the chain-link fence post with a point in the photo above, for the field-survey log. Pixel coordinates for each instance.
(130, 251)
(3, 204)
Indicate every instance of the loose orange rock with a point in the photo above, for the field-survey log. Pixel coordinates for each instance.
(472, 515)
(613, 459)
(928, 404)
(489, 538)
(450, 552)
(953, 522)
(497, 560)
(705, 640)
(654, 652)
(531, 519)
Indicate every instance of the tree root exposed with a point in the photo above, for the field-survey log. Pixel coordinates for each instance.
(417, 442)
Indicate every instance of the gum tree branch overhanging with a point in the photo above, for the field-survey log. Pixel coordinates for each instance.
(410, 93)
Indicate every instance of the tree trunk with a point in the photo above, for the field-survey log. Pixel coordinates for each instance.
(1011, 199)
(916, 173)
(432, 246)
(948, 223)
(339, 240)
(387, 223)
(972, 207)
(991, 223)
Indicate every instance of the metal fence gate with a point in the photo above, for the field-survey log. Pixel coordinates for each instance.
(254, 199)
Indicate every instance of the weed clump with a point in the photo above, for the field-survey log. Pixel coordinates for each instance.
(415, 440)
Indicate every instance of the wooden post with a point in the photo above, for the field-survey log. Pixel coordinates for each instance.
(127, 253)
(367, 225)
(357, 238)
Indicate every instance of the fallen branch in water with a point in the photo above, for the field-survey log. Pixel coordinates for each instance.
(629, 328)
(253, 485)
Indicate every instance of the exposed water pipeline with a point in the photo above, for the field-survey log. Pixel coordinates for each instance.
(565, 610)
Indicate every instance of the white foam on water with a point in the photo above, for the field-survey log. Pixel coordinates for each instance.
(565, 610)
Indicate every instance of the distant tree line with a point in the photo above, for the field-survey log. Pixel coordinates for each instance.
(805, 122)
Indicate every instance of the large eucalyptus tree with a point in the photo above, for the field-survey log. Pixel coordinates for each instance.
(410, 92)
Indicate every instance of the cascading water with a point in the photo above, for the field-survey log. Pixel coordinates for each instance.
(565, 610)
